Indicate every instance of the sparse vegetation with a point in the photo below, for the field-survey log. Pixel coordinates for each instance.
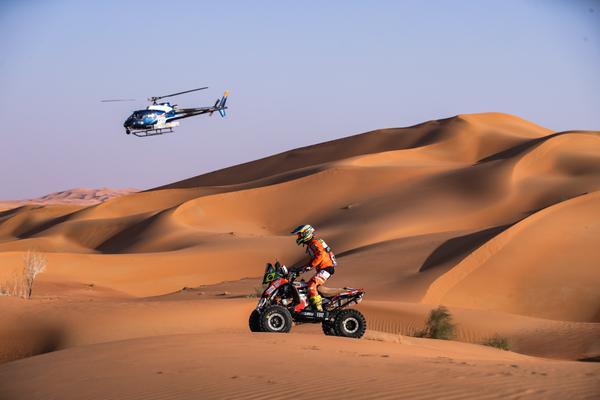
(439, 325)
(21, 284)
(497, 341)
(12, 285)
(258, 291)
(35, 264)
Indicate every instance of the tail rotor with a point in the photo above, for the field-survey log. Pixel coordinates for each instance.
(220, 104)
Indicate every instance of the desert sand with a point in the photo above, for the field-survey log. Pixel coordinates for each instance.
(147, 295)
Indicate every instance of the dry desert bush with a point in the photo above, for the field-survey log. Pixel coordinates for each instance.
(20, 283)
(439, 325)
(497, 341)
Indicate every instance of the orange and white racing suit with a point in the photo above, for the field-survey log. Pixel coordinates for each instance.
(323, 260)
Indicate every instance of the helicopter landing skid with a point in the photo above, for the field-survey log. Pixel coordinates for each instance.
(150, 132)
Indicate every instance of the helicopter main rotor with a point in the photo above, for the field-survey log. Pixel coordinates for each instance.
(113, 100)
(154, 99)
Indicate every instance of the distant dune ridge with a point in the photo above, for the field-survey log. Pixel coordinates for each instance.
(488, 214)
(78, 196)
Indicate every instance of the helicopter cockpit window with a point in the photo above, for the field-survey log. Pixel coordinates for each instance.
(146, 114)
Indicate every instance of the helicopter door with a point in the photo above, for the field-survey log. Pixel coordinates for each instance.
(161, 121)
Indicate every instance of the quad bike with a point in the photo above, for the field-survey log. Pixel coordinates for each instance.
(284, 302)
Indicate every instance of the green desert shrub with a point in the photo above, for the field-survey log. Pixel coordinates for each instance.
(439, 325)
(497, 341)
(258, 291)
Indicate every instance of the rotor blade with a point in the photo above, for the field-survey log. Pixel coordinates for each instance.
(111, 100)
(176, 94)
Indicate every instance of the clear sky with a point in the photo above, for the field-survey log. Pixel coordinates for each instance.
(298, 73)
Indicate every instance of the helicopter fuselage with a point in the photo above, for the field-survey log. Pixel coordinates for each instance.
(154, 116)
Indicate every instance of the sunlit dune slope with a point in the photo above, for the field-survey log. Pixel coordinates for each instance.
(545, 265)
(401, 208)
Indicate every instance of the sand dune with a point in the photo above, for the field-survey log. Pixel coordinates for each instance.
(74, 315)
(560, 282)
(438, 179)
(202, 347)
(436, 182)
(489, 214)
(483, 133)
(76, 196)
(224, 366)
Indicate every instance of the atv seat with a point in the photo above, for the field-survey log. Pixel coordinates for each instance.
(329, 292)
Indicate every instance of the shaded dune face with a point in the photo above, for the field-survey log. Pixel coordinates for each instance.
(482, 211)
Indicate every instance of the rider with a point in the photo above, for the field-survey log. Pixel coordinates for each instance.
(322, 259)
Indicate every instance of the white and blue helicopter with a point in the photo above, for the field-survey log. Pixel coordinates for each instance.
(159, 118)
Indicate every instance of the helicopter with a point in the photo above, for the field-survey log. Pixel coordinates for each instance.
(160, 118)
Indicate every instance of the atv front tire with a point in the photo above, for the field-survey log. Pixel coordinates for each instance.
(275, 318)
(254, 321)
(350, 323)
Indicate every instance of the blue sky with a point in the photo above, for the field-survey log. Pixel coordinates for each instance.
(298, 73)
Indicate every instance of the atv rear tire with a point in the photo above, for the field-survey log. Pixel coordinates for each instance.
(275, 318)
(254, 321)
(350, 323)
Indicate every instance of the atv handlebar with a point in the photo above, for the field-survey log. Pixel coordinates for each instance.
(300, 270)
(293, 275)
(296, 272)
